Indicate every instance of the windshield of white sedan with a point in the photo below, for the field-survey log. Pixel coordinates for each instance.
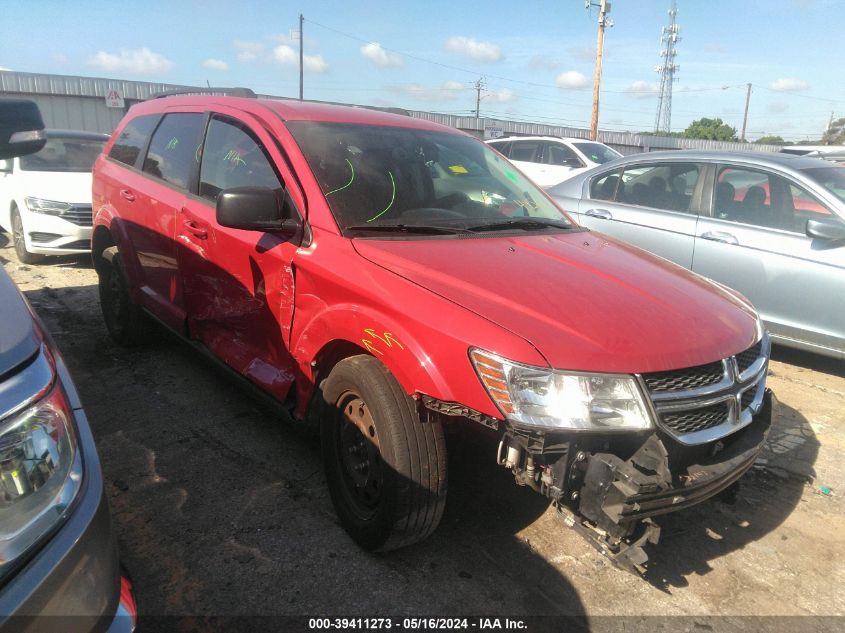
(64, 154)
(831, 178)
(416, 181)
(597, 152)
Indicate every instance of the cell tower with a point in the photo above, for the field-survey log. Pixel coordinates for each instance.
(669, 37)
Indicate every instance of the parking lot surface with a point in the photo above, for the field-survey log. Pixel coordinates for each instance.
(222, 509)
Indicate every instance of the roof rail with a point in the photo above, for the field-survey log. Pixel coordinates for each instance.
(224, 92)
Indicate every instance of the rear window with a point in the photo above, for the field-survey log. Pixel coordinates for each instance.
(64, 154)
(175, 148)
(128, 146)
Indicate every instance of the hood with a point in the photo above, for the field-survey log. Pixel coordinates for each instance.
(584, 301)
(73, 187)
(18, 341)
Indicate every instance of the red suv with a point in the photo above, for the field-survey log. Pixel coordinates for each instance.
(388, 279)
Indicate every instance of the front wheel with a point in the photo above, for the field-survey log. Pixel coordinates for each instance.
(24, 256)
(385, 469)
(125, 321)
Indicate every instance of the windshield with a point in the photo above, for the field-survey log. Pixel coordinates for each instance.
(375, 176)
(831, 178)
(597, 152)
(64, 154)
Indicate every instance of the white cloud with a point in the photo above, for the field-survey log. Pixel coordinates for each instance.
(248, 51)
(504, 95)
(447, 92)
(572, 80)
(4, 68)
(216, 64)
(777, 107)
(584, 54)
(286, 56)
(788, 85)
(641, 90)
(141, 60)
(380, 57)
(480, 51)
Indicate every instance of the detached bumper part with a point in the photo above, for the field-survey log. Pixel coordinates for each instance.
(618, 498)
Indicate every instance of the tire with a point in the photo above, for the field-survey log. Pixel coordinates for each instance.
(125, 321)
(24, 256)
(385, 469)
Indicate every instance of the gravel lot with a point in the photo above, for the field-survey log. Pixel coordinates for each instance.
(222, 510)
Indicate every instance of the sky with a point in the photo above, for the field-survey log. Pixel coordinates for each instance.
(535, 58)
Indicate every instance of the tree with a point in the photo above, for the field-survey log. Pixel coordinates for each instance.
(710, 130)
(835, 134)
(770, 140)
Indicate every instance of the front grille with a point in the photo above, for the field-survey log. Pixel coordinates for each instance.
(79, 214)
(748, 397)
(683, 379)
(684, 422)
(745, 359)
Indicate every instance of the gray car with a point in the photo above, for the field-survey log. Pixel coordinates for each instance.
(771, 226)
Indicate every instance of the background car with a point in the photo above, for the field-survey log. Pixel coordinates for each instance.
(45, 198)
(771, 226)
(548, 160)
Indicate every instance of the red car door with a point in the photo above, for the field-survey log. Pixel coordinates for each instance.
(238, 285)
(168, 167)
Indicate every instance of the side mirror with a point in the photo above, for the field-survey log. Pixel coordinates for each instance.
(255, 209)
(826, 229)
(21, 128)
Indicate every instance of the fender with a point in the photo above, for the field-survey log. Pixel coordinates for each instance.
(104, 218)
(375, 333)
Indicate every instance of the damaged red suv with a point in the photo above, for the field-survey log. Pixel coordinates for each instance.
(387, 279)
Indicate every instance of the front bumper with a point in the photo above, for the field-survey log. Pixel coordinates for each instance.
(53, 235)
(73, 582)
(618, 497)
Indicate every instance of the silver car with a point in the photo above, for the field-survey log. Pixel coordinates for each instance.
(771, 226)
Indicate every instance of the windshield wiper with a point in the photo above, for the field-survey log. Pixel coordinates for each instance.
(526, 224)
(421, 229)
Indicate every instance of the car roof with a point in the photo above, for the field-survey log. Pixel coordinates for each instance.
(764, 159)
(568, 139)
(76, 134)
(295, 110)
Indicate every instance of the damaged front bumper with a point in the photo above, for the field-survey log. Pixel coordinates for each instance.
(610, 490)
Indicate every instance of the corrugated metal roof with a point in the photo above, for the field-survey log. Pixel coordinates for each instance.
(70, 85)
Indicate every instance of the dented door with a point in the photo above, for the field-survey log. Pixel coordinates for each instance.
(238, 285)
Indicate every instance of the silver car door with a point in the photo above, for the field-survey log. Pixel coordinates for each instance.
(650, 205)
(753, 241)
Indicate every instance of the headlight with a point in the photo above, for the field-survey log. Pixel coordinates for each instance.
(40, 473)
(542, 397)
(49, 207)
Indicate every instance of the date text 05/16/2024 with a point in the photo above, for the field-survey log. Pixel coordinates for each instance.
(416, 624)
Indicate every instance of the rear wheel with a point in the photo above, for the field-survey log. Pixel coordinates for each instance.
(126, 322)
(24, 256)
(386, 470)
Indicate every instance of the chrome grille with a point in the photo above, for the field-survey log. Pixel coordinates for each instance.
(700, 404)
(683, 379)
(697, 419)
(745, 359)
(79, 214)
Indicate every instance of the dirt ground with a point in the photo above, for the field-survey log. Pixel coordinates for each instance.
(222, 510)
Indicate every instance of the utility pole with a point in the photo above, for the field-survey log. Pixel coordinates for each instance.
(301, 55)
(745, 116)
(479, 86)
(669, 36)
(604, 9)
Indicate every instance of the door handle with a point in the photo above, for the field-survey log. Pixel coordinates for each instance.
(194, 229)
(599, 213)
(127, 195)
(719, 236)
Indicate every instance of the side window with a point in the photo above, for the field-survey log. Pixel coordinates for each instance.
(234, 157)
(174, 149)
(760, 199)
(666, 186)
(524, 150)
(132, 139)
(503, 147)
(562, 155)
(605, 187)
(806, 206)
